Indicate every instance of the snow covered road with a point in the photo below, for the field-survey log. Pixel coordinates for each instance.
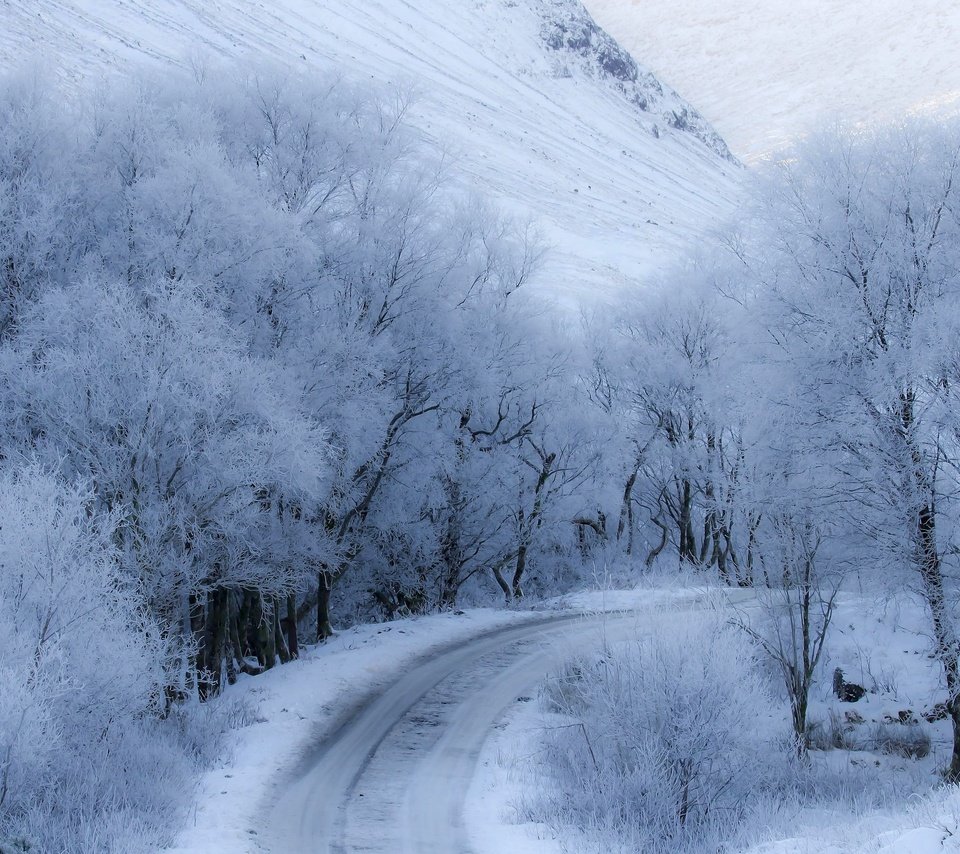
(394, 775)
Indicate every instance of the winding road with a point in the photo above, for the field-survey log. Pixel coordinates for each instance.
(393, 777)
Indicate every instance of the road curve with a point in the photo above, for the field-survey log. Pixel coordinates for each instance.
(395, 774)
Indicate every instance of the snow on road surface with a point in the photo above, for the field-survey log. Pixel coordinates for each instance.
(371, 741)
(396, 776)
(764, 71)
(295, 707)
(544, 133)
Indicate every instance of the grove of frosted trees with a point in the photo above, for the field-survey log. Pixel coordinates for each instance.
(267, 366)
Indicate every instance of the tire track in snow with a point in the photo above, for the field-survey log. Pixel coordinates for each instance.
(395, 775)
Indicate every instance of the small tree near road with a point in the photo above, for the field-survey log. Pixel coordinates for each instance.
(799, 608)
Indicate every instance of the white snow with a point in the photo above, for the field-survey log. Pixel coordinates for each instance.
(508, 774)
(296, 704)
(884, 645)
(874, 641)
(500, 785)
(613, 200)
(293, 706)
(616, 202)
(763, 71)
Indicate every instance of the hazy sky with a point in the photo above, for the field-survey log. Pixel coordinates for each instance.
(765, 70)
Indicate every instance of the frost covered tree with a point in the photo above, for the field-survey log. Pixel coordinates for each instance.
(657, 749)
(83, 759)
(663, 374)
(37, 194)
(199, 269)
(147, 397)
(853, 249)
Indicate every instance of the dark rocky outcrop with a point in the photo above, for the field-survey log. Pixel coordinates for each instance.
(568, 28)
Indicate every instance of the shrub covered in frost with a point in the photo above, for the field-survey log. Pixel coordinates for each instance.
(85, 762)
(662, 745)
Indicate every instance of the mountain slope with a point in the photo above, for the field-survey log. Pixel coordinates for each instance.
(542, 109)
(767, 71)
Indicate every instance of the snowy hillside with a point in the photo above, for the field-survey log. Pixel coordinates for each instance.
(765, 71)
(302, 502)
(540, 108)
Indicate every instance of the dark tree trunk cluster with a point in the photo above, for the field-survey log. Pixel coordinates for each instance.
(240, 631)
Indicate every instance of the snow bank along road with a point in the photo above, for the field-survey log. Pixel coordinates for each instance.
(394, 775)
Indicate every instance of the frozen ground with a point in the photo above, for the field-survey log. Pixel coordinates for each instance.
(883, 645)
(764, 70)
(418, 735)
(534, 128)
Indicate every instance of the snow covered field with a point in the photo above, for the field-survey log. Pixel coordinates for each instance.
(296, 707)
(764, 71)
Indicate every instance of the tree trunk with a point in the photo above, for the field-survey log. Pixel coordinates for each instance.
(502, 582)
(214, 658)
(707, 541)
(448, 593)
(719, 559)
(279, 638)
(267, 636)
(451, 549)
(261, 622)
(195, 656)
(222, 664)
(798, 713)
(747, 579)
(659, 547)
(290, 626)
(521, 565)
(528, 522)
(324, 627)
(598, 526)
(239, 613)
(933, 588)
(625, 525)
(688, 540)
(931, 574)
(254, 619)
